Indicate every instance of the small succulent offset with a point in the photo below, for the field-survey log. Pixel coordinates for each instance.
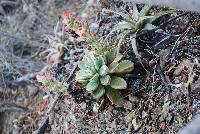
(49, 84)
(136, 21)
(99, 73)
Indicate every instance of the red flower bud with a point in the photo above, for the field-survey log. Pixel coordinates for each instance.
(95, 34)
(66, 14)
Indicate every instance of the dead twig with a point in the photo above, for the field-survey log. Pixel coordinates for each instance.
(162, 76)
(159, 44)
(44, 125)
(170, 20)
(28, 77)
(53, 103)
(181, 37)
(160, 26)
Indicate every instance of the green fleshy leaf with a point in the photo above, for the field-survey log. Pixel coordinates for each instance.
(105, 80)
(104, 59)
(98, 63)
(81, 75)
(103, 70)
(98, 93)
(118, 57)
(143, 21)
(89, 61)
(58, 87)
(123, 36)
(114, 96)
(90, 69)
(134, 12)
(82, 65)
(75, 25)
(90, 39)
(83, 81)
(120, 26)
(111, 55)
(118, 83)
(149, 26)
(46, 82)
(128, 70)
(124, 15)
(53, 85)
(91, 86)
(94, 60)
(113, 66)
(134, 47)
(125, 66)
(144, 10)
(95, 78)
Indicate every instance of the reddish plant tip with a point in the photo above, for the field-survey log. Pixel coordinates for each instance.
(66, 28)
(77, 20)
(65, 21)
(46, 74)
(66, 14)
(94, 34)
(37, 74)
(80, 32)
(86, 45)
(42, 86)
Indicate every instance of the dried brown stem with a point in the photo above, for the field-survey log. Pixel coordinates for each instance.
(45, 124)
(28, 77)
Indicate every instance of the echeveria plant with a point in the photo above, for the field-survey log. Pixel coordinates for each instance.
(100, 74)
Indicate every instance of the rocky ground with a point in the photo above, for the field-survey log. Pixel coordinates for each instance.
(162, 95)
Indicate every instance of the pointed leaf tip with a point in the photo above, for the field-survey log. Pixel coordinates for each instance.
(103, 70)
(125, 66)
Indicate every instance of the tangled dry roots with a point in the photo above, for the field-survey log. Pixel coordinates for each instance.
(4, 4)
(12, 67)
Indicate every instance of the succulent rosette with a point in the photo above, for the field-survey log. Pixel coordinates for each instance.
(100, 74)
